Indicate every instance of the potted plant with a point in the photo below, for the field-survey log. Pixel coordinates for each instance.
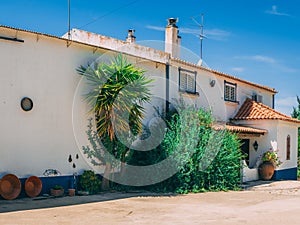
(270, 161)
(57, 191)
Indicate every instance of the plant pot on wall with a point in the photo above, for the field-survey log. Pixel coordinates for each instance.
(266, 170)
(71, 192)
(57, 192)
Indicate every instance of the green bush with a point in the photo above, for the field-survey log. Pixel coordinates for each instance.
(207, 160)
(90, 182)
(213, 163)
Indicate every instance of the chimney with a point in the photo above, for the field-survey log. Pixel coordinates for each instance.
(130, 38)
(172, 39)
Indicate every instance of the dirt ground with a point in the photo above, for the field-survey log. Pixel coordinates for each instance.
(261, 203)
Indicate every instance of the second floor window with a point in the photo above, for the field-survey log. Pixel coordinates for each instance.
(229, 91)
(187, 81)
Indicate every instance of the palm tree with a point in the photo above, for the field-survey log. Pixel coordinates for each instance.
(117, 95)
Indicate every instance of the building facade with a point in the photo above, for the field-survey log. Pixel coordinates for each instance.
(44, 115)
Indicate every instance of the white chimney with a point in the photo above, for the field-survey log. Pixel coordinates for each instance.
(172, 39)
(130, 38)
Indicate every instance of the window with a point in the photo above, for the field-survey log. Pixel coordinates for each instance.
(257, 98)
(288, 147)
(26, 104)
(187, 81)
(229, 91)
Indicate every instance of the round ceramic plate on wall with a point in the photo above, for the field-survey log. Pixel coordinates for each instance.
(26, 104)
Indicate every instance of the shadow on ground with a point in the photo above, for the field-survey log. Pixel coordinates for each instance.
(43, 202)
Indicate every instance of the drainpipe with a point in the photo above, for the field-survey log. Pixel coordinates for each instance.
(273, 101)
(167, 88)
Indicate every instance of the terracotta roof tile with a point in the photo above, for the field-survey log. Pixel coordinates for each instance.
(252, 110)
(240, 129)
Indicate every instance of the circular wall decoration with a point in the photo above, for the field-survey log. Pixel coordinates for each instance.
(26, 104)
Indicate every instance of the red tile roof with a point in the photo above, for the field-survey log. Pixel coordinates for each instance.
(240, 129)
(252, 110)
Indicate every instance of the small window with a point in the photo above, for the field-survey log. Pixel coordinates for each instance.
(229, 91)
(26, 104)
(187, 81)
(257, 98)
(288, 147)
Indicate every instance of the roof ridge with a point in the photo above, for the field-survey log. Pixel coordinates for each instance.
(252, 110)
(268, 107)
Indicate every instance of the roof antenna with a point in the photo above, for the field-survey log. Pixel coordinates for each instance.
(201, 25)
(69, 20)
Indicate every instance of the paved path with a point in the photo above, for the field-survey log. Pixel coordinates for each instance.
(262, 203)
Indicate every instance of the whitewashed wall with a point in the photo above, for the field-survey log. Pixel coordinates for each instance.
(277, 133)
(213, 97)
(44, 69)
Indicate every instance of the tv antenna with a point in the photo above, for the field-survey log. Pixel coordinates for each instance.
(201, 25)
(69, 20)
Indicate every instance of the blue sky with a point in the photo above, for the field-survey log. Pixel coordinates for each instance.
(255, 40)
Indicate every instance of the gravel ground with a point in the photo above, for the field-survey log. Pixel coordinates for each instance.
(260, 203)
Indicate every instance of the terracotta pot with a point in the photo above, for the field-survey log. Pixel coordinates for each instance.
(10, 187)
(33, 186)
(57, 192)
(266, 170)
(71, 192)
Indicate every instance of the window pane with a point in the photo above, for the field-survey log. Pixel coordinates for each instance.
(190, 83)
(187, 81)
(230, 92)
(183, 81)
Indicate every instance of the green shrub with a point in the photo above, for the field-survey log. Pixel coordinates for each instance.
(207, 160)
(90, 182)
(213, 163)
(57, 187)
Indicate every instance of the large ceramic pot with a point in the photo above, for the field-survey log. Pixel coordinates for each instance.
(266, 170)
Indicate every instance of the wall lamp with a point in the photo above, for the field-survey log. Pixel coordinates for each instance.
(255, 145)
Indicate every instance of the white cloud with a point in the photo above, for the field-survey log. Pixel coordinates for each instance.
(258, 58)
(285, 105)
(217, 34)
(214, 34)
(155, 28)
(287, 69)
(274, 11)
(262, 58)
(269, 60)
(238, 69)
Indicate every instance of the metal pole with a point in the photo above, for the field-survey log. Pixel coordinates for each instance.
(201, 37)
(69, 20)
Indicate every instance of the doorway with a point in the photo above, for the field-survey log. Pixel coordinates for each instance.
(245, 146)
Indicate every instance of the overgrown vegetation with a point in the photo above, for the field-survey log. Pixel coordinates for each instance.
(296, 114)
(203, 159)
(118, 91)
(207, 160)
(90, 182)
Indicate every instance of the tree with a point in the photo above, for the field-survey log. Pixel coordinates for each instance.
(118, 92)
(296, 111)
(296, 114)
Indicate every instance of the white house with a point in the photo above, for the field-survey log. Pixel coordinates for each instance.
(44, 115)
